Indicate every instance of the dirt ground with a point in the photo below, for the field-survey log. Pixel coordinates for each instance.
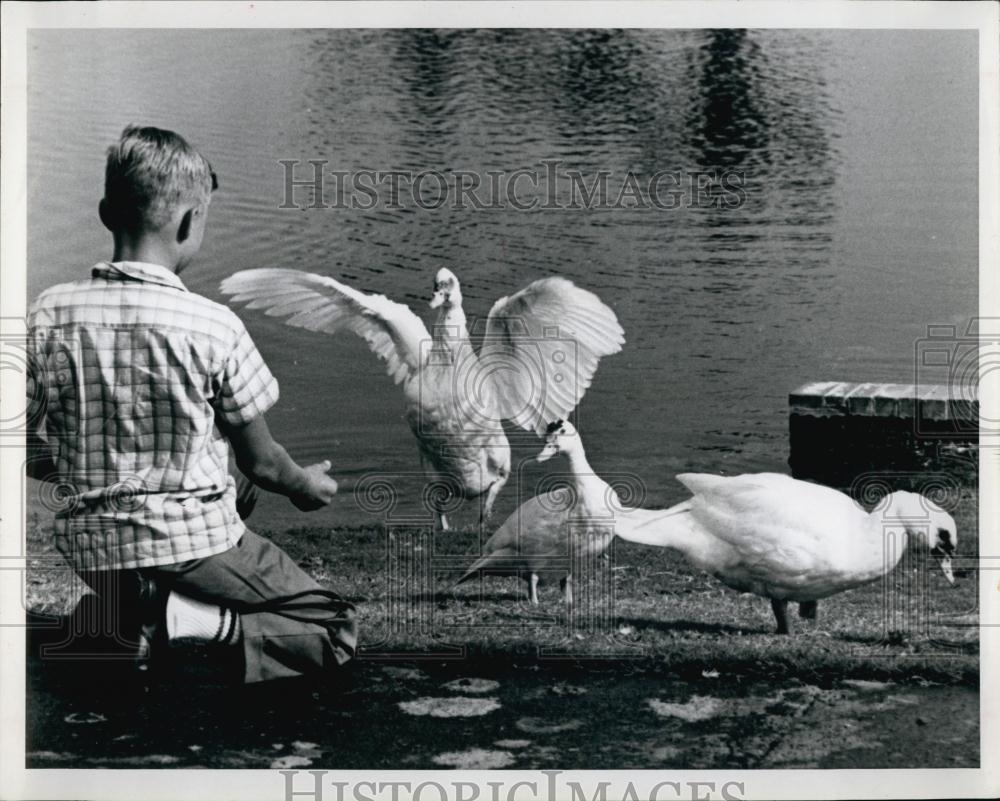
(529, 715)
(665, 669)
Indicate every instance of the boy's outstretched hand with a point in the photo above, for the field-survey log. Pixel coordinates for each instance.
(269, 466)
(319, 488)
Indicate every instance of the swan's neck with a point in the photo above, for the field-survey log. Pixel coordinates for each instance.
(584, 477)
(890, 536)
(578, 463)
(450, 333)
(665, 528)
(675, 528)
(891, 507)
(452, 316)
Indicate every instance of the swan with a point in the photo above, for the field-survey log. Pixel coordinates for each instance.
(791, 540)
(551, 532)
(540, 350)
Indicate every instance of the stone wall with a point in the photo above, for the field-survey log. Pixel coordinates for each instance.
(901, 435)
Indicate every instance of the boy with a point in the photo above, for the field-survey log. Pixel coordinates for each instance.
(143, 386)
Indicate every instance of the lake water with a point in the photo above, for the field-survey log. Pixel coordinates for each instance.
(859, 226)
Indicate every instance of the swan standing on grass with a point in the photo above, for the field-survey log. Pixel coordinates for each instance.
(554, 530)
(790, 540)
(539, 355)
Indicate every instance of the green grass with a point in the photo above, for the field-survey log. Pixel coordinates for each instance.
(647, 609)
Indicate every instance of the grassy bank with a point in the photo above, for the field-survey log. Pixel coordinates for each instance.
(643, 609)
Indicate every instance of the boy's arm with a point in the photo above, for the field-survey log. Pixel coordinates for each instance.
(246, 389)
(270, 467)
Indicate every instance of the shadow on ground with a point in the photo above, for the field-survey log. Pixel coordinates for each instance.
(488, 710)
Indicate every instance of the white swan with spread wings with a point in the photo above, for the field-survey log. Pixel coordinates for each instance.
(540, 350)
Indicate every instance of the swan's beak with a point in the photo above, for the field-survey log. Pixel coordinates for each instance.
(942, 552)
(547, 453)
(438, 299)
(946, 569)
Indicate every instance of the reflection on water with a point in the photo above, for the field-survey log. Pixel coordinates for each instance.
(830, 269)
(728, 128)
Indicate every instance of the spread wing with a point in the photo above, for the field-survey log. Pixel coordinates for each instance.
(542, 347)
(319, 303)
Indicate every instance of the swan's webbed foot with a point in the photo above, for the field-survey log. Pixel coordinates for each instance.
(780, 609)
(807, 609)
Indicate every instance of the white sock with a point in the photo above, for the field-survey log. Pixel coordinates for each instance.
(188, 619)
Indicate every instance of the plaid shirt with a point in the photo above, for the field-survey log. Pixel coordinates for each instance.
(130, 371)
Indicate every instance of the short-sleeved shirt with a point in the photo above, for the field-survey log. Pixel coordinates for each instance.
(131, 372)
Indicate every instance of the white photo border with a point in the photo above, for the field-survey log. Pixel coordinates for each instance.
(18, 18)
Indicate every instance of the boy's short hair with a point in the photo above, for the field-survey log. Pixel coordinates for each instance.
(149, 172)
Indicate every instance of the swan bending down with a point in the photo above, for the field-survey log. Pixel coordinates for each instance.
(554, 530)
(539, 354)
(791, 540)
